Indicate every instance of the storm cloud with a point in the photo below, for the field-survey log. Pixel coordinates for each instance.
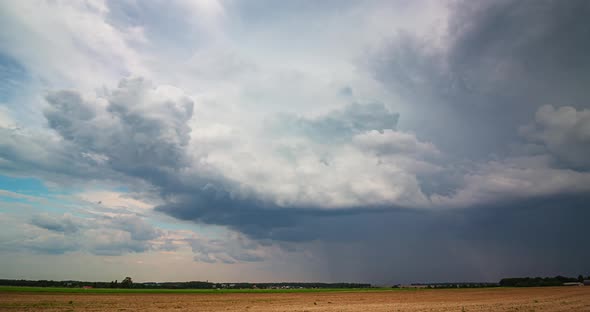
(448, 146)
(488, 69)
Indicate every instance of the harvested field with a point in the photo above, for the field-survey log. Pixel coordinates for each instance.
(493, 299)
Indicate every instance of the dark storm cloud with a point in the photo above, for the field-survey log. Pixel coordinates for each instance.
(255, 218)
(529, 237)
(534, 48)
(140, 133)
(486, 243)
(140, 130)
(498, 63)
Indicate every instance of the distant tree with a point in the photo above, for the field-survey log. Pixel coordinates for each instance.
(127, 282)
(580, 278)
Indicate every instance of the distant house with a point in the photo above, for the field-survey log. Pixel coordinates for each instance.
(573, 284)
(87, 287)
(586, 282)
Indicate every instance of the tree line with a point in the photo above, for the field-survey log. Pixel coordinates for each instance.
(128, 283)
(540, 281)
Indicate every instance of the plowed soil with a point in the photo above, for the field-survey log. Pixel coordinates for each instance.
(494, 299)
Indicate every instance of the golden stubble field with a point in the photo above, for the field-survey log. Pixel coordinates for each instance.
(500, 299)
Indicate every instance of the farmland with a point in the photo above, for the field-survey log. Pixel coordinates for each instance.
(490, 299)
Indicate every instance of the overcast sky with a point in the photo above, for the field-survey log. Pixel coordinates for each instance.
(358, 141)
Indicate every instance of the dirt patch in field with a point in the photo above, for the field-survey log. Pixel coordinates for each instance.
(501, 299)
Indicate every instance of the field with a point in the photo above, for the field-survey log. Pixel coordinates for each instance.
(490, 299)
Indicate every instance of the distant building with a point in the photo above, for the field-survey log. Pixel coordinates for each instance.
(87, 287)
(573, 284)
(586, 282)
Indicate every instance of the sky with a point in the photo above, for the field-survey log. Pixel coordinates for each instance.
(337, 141)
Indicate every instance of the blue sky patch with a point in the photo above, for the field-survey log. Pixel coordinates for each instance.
(23, 185)
(12, 77)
